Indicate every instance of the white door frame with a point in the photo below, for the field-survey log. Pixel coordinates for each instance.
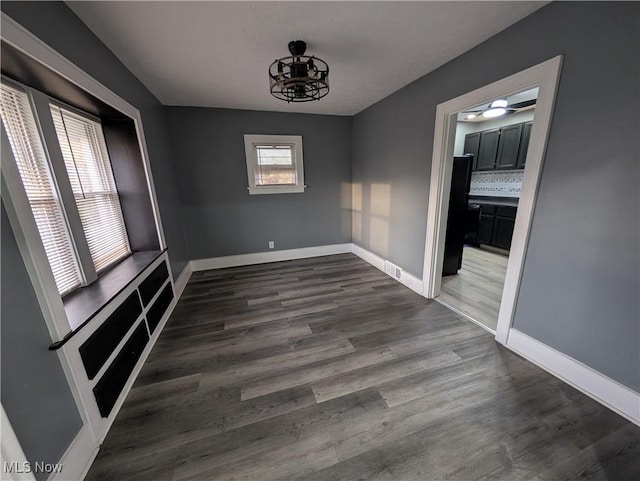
(545, 76)
(13, 462)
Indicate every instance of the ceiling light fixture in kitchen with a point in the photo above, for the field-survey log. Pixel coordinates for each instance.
(299, 77)
(496, 109)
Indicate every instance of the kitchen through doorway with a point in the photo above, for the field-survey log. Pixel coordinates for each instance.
(490, 155)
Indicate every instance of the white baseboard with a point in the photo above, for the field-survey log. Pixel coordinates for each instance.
(183, 279)
(409, 280)
(603, 389)
(78, 457)
(368, 256)
(271, 256)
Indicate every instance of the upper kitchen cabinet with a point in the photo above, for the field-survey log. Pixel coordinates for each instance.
(524, 145)
(472, 146)
(499, 149)
(488, 149)
(508, 147)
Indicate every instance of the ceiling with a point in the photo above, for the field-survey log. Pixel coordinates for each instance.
(216, 54)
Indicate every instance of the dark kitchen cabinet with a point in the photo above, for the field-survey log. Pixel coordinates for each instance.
(472, 146)
(485, 230)
(499, 149)
(508, 144)
(524, 144)
(502, 232)
(496, 225)
(503, 225)
(488, 149)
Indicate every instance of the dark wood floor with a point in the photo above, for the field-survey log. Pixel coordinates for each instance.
(327, 369)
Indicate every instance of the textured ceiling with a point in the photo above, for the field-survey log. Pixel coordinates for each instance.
(216, 54)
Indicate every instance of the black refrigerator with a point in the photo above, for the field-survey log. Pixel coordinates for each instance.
(458, 217)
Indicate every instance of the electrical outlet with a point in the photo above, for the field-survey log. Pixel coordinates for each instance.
(271, 244)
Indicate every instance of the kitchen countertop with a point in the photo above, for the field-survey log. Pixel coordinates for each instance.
(481, 199)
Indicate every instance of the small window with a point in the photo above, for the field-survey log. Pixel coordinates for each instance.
(274, 164)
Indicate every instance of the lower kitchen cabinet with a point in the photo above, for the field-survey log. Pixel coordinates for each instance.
(503, 232)
(496, 225)
(485, 230)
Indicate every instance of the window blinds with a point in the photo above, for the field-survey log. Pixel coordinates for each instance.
(42, 194)
(275, 165)
(87, 162)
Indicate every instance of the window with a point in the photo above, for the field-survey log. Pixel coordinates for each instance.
(41, 191)
(85, 156)
(274, 164)
(74, 201)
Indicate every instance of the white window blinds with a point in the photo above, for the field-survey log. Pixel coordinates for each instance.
(275, 165)
(42, 194)
(87, 162)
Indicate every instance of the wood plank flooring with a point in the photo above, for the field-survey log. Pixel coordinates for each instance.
(477, 288)
(327, 369)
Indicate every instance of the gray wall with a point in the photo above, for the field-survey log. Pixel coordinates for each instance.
(580, 284)
(35, 393)
(60, 28)
(220, 216)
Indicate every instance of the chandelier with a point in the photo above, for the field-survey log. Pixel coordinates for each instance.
(299, 77)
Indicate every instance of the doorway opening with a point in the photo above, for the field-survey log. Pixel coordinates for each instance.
(540, 80)
(490, 150)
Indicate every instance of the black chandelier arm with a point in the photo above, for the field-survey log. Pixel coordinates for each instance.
(287, 62)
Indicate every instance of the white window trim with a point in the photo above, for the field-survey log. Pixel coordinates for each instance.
(28, 238)
(40, 104)
(251, 140)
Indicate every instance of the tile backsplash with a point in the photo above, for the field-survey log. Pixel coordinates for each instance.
(497, 183)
